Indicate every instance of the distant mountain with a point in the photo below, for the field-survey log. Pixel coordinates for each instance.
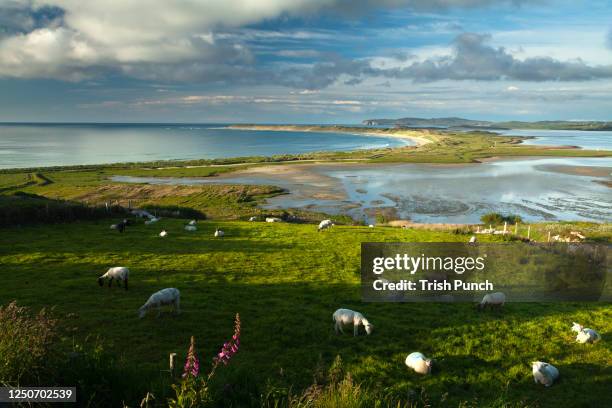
(483, 124)
(424, 122)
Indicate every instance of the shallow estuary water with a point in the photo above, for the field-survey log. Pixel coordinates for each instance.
(536, 189)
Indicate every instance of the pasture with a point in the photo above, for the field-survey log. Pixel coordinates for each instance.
(286, 280)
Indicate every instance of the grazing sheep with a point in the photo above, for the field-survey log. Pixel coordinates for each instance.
(219, 233)
(492, 300)
(419, 363)
(168, 296)
(192, 222)
(544, 373)
(325, 224)
(113, 226)
(585, 335)
(121, 273)
(273, 219)
(163, 233)
(253, 219)
(347, 316)
(191, 228)
(472, 240)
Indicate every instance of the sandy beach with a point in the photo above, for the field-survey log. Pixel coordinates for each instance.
(419, 137)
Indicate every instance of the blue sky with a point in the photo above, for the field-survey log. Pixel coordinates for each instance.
(304, 61)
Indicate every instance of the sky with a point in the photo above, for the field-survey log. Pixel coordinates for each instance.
(304, 61)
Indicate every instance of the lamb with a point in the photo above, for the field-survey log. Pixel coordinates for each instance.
(219, 233)
(325, 224)
(273, 219)
(419, 363)
(585, 335)
(347, 316)
(191, 228)
(168, 296)
(121, 273)
(496, 299)
(544, 373)
(163, 234)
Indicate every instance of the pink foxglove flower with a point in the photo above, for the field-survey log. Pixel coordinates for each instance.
(231, 347)
(192, 365)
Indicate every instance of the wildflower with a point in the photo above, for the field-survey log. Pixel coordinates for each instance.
(192, 365)
(231, 347)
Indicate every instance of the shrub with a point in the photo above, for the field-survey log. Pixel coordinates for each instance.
(26, 344)
(494, 218)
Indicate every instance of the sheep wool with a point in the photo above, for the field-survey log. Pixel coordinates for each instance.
(496, 299)
(588, 336)
(544, 373)
(325, 224)
(347, 316)
(121, 273)
(164, 297)
(419, 363)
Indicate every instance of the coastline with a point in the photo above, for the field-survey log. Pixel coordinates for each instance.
(416, 136)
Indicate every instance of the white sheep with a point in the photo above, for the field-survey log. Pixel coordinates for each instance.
(492, 300)
(371, 226)
(273, 219)
(163, 234)
(472, 239)
(191, 228)
(219, 233)
(192, 222)
(585, 335)
(121, 273)
(168, 296)
(113, 226)
(253, 219)
(347, 316)
(325, 224)
(419, 363)
(544, 373)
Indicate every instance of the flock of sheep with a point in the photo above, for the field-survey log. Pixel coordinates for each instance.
(543, 373)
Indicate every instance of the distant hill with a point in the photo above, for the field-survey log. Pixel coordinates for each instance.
(454, 122)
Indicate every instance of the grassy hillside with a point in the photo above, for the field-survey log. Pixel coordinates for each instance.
(285, 280)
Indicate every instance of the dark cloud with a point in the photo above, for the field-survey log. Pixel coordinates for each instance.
(16, 18)
(474, 59)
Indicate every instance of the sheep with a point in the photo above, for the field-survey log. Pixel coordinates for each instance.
(588, 336)
(472, 240)
(544, 373)
(168, 296)
(585, 335)
(419, 363)
(192, 222)
(121, 273)
(191, 228)
(325, 224)
(219, 233)
(163, 234)
(371, 226)
(347, 316)
(492, 300)
(253, 219)
(273, 219)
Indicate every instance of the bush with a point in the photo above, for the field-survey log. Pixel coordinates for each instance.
(494, 218)
(23, 208)
(26, 344)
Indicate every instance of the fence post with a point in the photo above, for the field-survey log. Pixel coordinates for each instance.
(529, 232)
(172, 364)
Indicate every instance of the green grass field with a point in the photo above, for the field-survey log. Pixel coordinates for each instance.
(286, 280)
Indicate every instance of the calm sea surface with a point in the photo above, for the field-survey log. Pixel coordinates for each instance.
(70, 144)
(601, 140)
